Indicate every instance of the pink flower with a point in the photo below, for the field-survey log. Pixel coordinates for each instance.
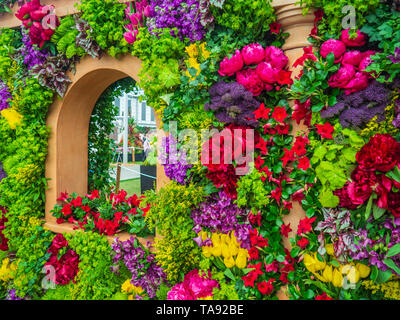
(179, 292)
(24, 12)
(37, 34)
(267, 72)
(352, 57)
(276, 57)
(40, 13)
(147, 11)
(342, 77)
(130, 36)
(359, 82)
(253, 53)
(136, 18)
(200, 287)
(228, 67)
(366, 60)
(249, 79)
(335, 46)
(358, 41)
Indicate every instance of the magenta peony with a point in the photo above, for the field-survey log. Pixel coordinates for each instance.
(267, 72)
(24, 12)
(358, 41)
(276, 57)
(352, 57)
(337, 47)
(253, 53)
(180, 292)
(342, 77)
(359, 82)
(366, 60)
(229, 67)
(249, 79)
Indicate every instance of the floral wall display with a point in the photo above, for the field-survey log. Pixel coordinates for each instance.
(219, 234)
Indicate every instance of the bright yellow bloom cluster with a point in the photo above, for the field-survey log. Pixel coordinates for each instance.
(195, 53)
(12, 116)
(390, 289)
(131, 290)
(336, 275)
(226, 246)
(7, 270)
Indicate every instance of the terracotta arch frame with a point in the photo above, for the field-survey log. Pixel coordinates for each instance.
(68, 120)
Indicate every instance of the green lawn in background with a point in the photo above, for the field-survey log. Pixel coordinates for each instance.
(131, 186)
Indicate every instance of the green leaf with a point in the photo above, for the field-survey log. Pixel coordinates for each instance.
(393, 250)
(390, 263)
(368, 209)
(378, 212)
(330, 58)
(229, 274)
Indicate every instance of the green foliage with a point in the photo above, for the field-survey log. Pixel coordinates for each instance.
(226, 291)
(333, 160)
(100, 145)
(107, 20)
(333, 15)
(170, 213)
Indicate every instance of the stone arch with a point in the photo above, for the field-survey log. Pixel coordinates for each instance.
(68, 120)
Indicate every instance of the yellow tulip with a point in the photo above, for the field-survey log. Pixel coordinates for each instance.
(318, 264)
(353, 275)
(233, 249)
(363, 269)
(337, 278)
(329, 249)
(327, 274)
(229, 262)
(207, 251)
(216, 251)
(241, 260)
(320, 277)
(225, 238)
(309, 262)
(226, 253)
(216, 239)
(203, 235)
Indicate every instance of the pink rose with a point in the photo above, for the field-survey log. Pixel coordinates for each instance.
(228, 67)
(24, 12)
(253, 53)
(276, 57)
(352, 57)
(358, 41)
(267, 73)
(249, 79)
(359, 82)
(179, 292)
(335, 46)
(342, 77)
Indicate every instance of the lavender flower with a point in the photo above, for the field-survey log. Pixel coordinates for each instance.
(220, 214)
(232, 103)
(31, 57)
(174, 161)
(357, 109)
(5, 96)
(146, 273)
(181, 14)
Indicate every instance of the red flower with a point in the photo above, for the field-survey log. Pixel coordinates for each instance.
(255, 218)
(66, 210)
(304, 163)
(262, 146)
(325, 130)
(299, 146)
(94, 195)
(287, 205)
(381, 153)
(77, 202)
(305, 225)
(266, 287)
(249, 279)
(279, 114)
(308, 54)
(285, 229)
(323, 296)
(275, 27)
(284, 77)
(253, 253)
(24, 12)
(287, 157)
(262, 112)
(63, 197)
(303, 243)
(302, 111)
(272, 267)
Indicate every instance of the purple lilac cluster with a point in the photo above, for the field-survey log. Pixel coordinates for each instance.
(146, 273)
(357, 109)
(375, 248)
(174, 161)
(182, 14)
(219, 214)
(5, 95)
(11, 295)
(232, 103)
(31, 56)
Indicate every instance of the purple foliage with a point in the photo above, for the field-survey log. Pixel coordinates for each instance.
(357, 109)
(146, 273)
(182, 14)
(375, 250)
(174, 162)
(5, 95)
(219, 214)
(232, 103)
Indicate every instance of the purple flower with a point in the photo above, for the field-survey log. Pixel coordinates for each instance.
(5, 96)
(396, 57)
(31, 57)
(11, 295)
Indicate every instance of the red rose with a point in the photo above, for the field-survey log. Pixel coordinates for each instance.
(381, 153)
(36, 34)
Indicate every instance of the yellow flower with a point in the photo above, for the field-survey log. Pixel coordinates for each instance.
(319, 265)
(229, 262)
(226, 253)
(327, 274)
(337, 278)
(204, 52)
(312, 263)
(216, 239)
(127, 287)
(225, 238)
(353, 275)
(207, 251)
(207, 298)
(12, 116)
(363, 269)
(216, 251)
(329, 249)
(241, 259)
(233, 249)
(192, 50)
(203, 235)
(131, 297)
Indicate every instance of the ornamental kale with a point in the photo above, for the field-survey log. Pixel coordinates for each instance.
(232, 103)
(357, 109)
